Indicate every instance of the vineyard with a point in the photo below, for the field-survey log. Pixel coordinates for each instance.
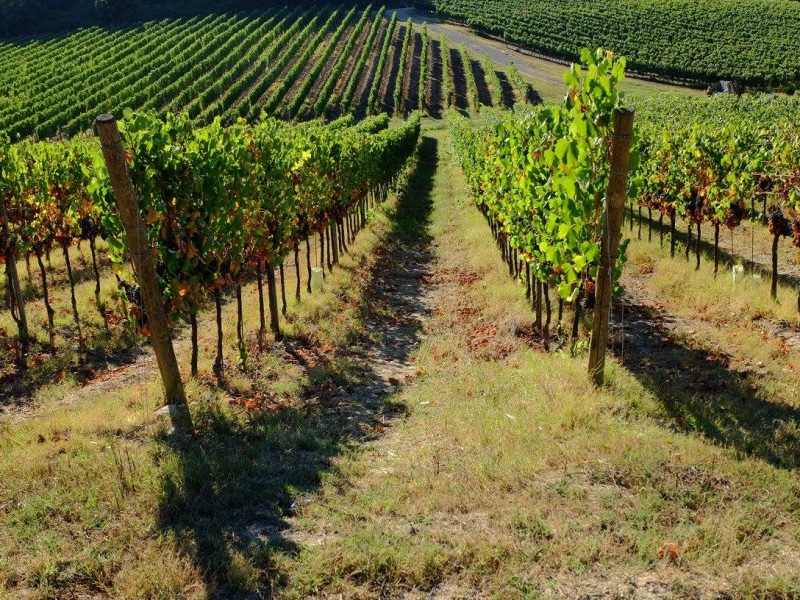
(700, 42)
(264, 191)
(740, 161)
(309, 315)
(540, 184)
(297, 64)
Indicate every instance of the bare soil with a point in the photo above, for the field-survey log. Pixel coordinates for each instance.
(322, 79)
(301, 78)
(339, 88)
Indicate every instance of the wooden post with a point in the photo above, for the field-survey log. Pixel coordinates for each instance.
(272, 295)
(612, 231)
(17, 299)
(144, 270)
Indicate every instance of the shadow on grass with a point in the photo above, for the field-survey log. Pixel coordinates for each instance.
(533, 97)
(105, 351)
(229, 494)
(484, 95)
(434, 107)
(459, 81)
(507, 100)
(699, 391)
(650, 228)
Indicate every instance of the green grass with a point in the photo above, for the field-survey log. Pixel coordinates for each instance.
(498, 471)
(515, 477)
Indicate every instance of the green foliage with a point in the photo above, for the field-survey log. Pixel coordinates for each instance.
(714, 160)
(229, 66)
(36, 17)
(214, 198)
(423, 69)
(753, 41)
(472, 87)
(522, 86)
(447, 82)
(401, 69)
(542, 179)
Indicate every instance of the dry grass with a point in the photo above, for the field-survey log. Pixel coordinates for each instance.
(513, 477)
(504, 474)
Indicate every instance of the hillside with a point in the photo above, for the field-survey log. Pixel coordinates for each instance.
(753, 42)
(296, 64)
(697, 43)
(27, 18)
(316, 317)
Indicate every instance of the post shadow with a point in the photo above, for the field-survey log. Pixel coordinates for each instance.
(700, 391)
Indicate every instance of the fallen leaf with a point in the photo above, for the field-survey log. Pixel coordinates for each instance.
(669, 550)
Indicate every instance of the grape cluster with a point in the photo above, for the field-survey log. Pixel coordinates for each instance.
(778, 224)
(735, 214)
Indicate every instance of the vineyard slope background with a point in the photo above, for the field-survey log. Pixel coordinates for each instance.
(376, 240)
(280, 61)
(700, 42)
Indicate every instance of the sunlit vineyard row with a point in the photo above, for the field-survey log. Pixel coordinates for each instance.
(296, 63)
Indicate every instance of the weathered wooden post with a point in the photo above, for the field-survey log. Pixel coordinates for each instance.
(612, 232)
(272, 297)
(17, 299)
(142, 259)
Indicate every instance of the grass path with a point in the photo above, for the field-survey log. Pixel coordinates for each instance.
(511, 477)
